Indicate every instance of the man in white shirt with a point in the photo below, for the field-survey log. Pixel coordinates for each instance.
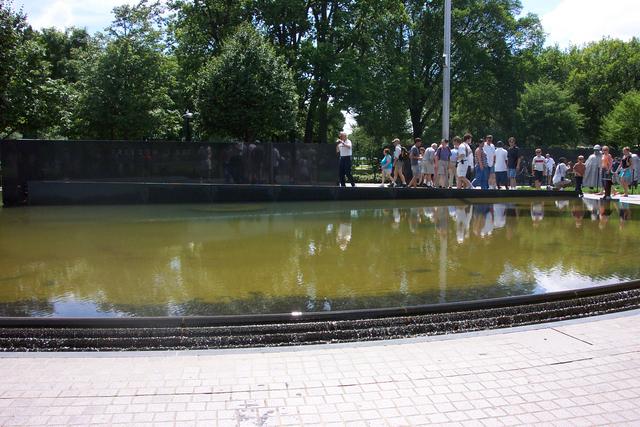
(560, 177)
(501, 166)
(490, 150)
(538, 168)
(345, 148)
(462, 161)
(398, 163)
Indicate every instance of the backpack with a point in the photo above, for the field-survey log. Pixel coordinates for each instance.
(404, 155)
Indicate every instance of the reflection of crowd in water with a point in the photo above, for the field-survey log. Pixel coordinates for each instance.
(601, 211)
(483, 219)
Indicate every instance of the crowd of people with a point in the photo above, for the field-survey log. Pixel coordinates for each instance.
(486, 165)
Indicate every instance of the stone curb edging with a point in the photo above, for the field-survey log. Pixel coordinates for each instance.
(502, 313)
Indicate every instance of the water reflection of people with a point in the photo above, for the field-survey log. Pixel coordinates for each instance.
(482, 220)
(463, 222)
(397, 218)
(227, 153)
(256, 159)
(204, 157)
(442, 219)
(578, 213)
(537, 213)
(625, 213)
(343, 237)
(499, 215)
(275, 163)
(605, 213)
(414, 219)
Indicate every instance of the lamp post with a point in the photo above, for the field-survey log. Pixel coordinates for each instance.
(446, 84)
(188, 116)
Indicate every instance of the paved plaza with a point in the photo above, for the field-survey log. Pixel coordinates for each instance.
(574, 373)
(633, 199)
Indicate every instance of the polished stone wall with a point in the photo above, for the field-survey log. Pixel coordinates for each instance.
(138, 161)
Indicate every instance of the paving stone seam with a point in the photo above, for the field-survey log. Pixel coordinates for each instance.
(294, 389)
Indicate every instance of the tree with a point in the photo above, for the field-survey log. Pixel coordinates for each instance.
(548, 117)
(13, 26)
(247, 91)
(325, 43)
(621, 127)
(36, 100)
(486, 39)
(600, 74)
(368, 149)
(196, 31)
(31, 99)
(63, 49)
(379, 93)
(126, 88)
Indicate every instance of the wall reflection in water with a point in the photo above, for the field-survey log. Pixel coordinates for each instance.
(235, 259)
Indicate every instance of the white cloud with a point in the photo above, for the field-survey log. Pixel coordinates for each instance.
(576, 22)
(58, 14)
(93, 14)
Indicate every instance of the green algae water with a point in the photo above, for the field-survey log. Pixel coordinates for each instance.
(183, 260)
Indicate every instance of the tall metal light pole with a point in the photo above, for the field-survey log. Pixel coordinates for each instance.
(446, 84)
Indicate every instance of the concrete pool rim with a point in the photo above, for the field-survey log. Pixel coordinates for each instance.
(301, 317)
(293, 329)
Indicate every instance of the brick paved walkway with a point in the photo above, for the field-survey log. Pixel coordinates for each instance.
(634, 199)
(584, 373)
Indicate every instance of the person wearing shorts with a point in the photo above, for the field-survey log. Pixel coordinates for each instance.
(462, 163)
(626, 170)
(513, 162)
(550, 164)
(539, 168)
(386, 166)
(500, 166)
(422, 182)
(606, 164)
(398, 163)
(414, 157)
(428, 165)
(453, 161)
(443, 153)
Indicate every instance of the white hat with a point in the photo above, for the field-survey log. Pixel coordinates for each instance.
(597, 148)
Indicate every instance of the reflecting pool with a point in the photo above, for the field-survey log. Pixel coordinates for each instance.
(323, 256)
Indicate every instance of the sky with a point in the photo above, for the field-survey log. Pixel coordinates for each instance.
(566, 22)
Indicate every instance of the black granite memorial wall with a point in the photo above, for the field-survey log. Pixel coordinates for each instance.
(138, 161)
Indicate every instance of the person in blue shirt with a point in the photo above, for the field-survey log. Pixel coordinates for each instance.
(386, 166)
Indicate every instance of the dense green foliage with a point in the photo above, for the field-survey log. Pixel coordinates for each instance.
(247, 91)
(621, 127)
(547, 115)
(381, 60)
(126, 85)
